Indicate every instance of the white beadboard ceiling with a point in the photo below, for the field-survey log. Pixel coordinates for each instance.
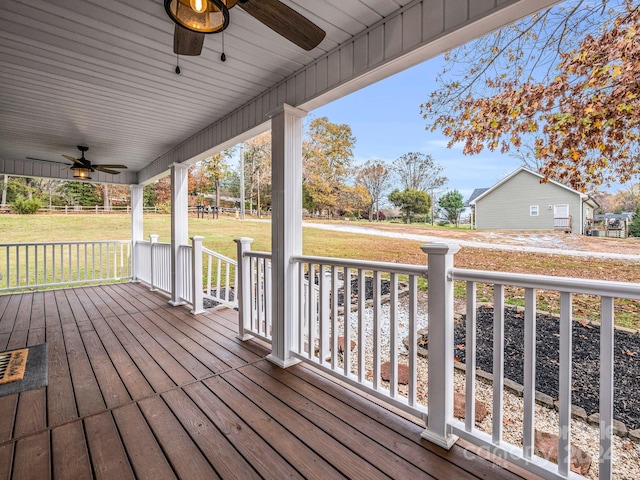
(101, 73)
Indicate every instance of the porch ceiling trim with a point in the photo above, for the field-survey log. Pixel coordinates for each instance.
(413, 34)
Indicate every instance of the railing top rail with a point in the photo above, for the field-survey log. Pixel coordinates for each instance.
(257, 254)
(562, 284)
(218, 255)
(399, 268)
(64, 242)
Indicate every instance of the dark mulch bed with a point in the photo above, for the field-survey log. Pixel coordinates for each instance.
(586, 364)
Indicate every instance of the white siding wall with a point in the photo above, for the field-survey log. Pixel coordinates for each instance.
(508, 206)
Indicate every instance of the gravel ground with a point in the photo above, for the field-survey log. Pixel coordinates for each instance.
(626, 452)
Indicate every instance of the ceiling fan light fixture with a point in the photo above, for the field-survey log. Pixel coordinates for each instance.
(81, 173)
(202, 16)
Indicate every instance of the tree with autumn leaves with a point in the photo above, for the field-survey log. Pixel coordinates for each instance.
(579, 118)
(327, 156)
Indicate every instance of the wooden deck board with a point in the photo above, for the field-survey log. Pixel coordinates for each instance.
(140, 389)
(69, 449)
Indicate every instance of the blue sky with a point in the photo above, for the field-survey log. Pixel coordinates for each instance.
(385, 119)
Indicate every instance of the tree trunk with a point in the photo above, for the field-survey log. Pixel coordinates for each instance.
(4, 190)
(105, 197)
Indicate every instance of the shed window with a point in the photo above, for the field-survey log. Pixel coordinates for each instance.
(533, 210)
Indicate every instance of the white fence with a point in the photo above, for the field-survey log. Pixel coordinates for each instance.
(323, 318)
(54, 264)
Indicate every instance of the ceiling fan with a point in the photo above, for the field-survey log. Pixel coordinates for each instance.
(196, 18)
(82, 167)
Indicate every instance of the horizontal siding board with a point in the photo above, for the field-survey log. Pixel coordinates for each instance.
(412, 27)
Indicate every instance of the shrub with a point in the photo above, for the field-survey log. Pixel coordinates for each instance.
(24, 206)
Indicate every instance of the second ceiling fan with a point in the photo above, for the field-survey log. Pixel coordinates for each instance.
(196, 18)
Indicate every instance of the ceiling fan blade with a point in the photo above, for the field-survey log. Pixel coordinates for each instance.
(186, 42)
(105, 170)
(74, 160)
(48, 161)
(109, 165)
(285, 21)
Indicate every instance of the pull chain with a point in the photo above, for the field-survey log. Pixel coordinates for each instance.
(178, 64)
(223, 57)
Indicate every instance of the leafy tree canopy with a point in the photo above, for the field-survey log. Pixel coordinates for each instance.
(410, 201)
(452, 204)
(562, 85)
(327, 156)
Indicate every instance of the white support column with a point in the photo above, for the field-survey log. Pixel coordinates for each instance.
(196, 275)
(137, 230)
(440, 382)
(286, 228)
(179, 224)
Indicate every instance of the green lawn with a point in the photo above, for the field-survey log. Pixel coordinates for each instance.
(219, 234)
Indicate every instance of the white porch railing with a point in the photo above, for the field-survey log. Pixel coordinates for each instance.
(153, 263)
(254, 292)
(566, 288)
(55, 264)
(221, 274)
(322, 320)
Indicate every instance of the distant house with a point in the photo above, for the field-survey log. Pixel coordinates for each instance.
(521, 202)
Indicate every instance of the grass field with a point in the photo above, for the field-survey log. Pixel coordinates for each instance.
(219, 235)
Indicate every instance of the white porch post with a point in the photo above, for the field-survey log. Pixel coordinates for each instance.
(286, 227)
(196, 274)
(243, 287)
(440, 382)
(136, 227)
(179, 225)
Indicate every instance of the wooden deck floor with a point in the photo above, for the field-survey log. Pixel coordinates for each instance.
(139, 389)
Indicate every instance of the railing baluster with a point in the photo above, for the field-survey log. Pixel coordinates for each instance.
(310, 311)
(529, 371)
(498, 361)
(301, 307)
(413, 340)
(362, 293)
(376, 329)
(346, 350)
(334, 317)
(564, 445)
(324, 314)
(17, 265)
(37, 266)
(26, 256)
(227, 279)
(260, 294)
(606, 388)
(470, 359)
(393, 337)
(218, 274)
(268, 297)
